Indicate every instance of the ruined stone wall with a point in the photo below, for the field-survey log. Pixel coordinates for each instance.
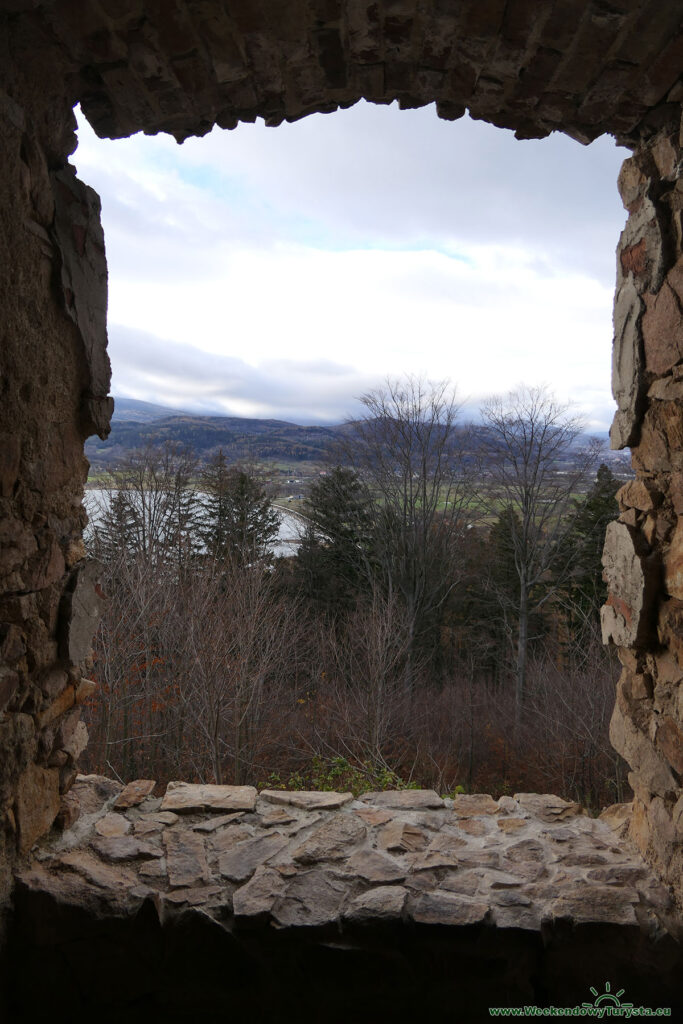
(182, 66)
(643, 555)
(54, 376)
(395, 906)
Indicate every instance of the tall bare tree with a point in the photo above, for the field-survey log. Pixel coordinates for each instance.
(410, 452)
(533, 461)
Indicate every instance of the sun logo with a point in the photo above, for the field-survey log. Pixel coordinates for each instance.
(608, 998)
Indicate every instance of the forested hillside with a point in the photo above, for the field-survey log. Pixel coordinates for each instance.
(137, 425)
(239, 438)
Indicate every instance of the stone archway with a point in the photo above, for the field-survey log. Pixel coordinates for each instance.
(182, 66)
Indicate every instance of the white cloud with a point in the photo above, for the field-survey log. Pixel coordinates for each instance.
(327, 254)
(157, 369)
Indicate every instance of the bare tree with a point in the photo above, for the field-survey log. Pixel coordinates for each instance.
(238, 649)
(532, 464)
(134, 718)
(567, 724)
(409, 452)
(367, 657)
(149, 506)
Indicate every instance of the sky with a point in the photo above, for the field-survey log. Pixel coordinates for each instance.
(285, 272)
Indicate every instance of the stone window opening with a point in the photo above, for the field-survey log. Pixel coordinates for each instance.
(530, 66)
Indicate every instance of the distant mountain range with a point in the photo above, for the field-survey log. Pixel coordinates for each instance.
(138, 424)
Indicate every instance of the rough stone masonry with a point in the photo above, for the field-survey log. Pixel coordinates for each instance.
(421, 902)
(643, 555)
(181, 66)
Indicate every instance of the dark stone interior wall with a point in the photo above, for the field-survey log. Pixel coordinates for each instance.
(54, 375)
(190, 970)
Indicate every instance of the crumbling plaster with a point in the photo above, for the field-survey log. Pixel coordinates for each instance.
(181, 66)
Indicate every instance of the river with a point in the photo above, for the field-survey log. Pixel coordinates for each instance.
(284, 545)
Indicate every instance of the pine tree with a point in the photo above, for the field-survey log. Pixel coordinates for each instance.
(239, 521)
(411, 456)
(485, 611)
(339, 507)
(333, 557)
(115, 527)
(215, 503)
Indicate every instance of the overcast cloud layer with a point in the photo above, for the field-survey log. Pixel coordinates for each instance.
(283, 272)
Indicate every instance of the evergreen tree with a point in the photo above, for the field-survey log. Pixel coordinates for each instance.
(239, 521)
(501, 584)
(114, 528)
(182, 540)
(485, 611)
(215, 502)
(339, 506)
(410, 453)
(334, 554)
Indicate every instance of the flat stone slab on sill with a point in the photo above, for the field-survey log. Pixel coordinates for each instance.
(405, 799)
(190, 798)
(307, 800)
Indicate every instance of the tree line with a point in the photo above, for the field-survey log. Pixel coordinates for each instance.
(438, 625)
